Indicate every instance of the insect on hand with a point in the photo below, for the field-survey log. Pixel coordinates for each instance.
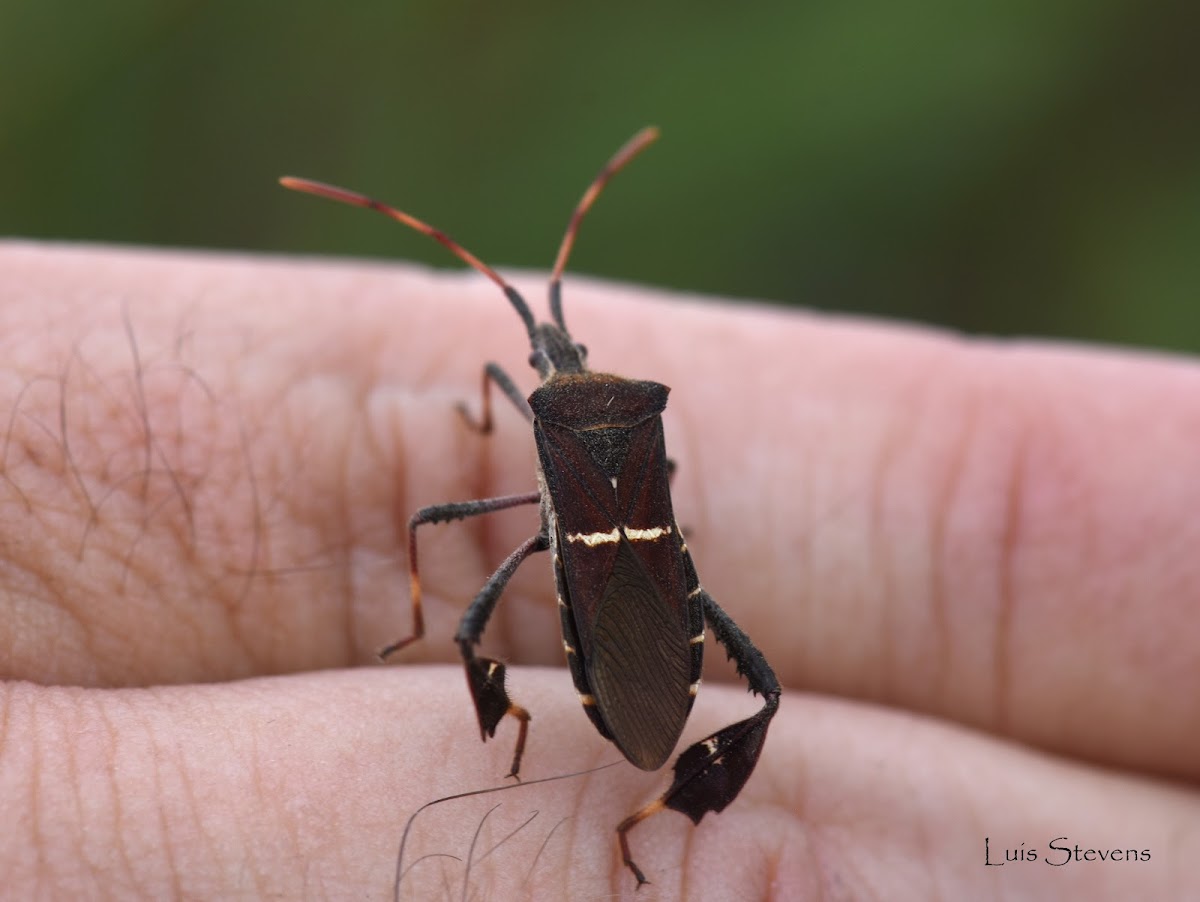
(632, 607)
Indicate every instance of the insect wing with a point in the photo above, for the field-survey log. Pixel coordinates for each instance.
(624, 576)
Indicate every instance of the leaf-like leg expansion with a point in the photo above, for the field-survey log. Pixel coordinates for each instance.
(493, 373)
(485, 677)
(710, 774)
(443, 513)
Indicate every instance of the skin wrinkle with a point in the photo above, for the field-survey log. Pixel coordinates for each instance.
(1002, 639)
(62, 431)
(47, 431)
(117, 813)
(969, 800)
(233, 603)
(446, 880)
(181, 444)
(139, 394)
(808, 599)
(183, 441)
(149, 440)
(143, 532)
(266, 784)
(200, 835)
(771, 869)
(249, 776)
(355, 553)
(6, 705)
(186, 544)
(1177, 856)
(33, 451)
(156, 449)
(924, 842)
(847, 873)
(53, 597)
(587, 786)
(343, 515)
(8, 437)
(42, 869)
(820, 877)
(164, 823)
(70, 766)
(256, 531)
(896, 438)
(281, 508)
(944, 503)
(877, 554)
(115, 491)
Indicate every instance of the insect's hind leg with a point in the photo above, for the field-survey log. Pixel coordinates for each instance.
(443, 513)
(493, 373)
(485, 677)
(710, 774)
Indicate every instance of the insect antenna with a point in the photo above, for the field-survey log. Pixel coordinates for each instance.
(631, 149)
(354, 199)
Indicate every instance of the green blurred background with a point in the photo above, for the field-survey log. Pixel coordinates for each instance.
(1011, 168)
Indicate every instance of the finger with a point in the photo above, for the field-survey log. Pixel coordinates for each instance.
(1000, 535)
(302, 786)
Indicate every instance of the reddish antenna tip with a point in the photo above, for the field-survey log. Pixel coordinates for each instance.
(619, 160)
(648, 134)
(308, 186)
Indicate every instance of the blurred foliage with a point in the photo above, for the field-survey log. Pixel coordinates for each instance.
(1019, 167)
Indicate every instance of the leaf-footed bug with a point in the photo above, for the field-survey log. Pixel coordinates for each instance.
(632, 607)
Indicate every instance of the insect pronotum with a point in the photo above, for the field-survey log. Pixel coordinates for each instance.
(632, 607)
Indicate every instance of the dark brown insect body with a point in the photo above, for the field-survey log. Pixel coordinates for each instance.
(633, 610)
(634, 639)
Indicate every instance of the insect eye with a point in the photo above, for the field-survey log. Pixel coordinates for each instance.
(582, 349)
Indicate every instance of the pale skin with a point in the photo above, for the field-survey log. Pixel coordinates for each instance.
(972, 565)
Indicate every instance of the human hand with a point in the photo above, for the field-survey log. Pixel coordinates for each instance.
(971, 564)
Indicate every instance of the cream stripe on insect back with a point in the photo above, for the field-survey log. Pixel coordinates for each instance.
(592, 539)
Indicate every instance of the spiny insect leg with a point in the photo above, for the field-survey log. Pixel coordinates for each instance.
(493, 373)
(485, 677)
(443, 513)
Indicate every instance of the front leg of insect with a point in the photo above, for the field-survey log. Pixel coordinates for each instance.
(631, 605)
(493, 374)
